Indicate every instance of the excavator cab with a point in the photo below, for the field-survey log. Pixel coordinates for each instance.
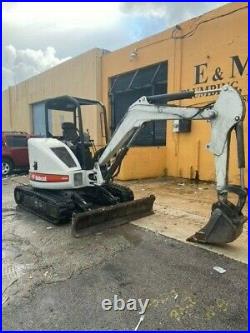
(72, 131)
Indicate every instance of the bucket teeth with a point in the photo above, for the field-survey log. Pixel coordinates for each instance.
(109, 216)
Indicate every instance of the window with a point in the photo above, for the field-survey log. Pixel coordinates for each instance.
(127, 88)
(38, 118)
(17, 141)
(63, 155)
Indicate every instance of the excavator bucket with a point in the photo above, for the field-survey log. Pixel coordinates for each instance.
(109, 216)
(225, 223)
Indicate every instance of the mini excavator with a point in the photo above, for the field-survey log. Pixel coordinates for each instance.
(72, 181)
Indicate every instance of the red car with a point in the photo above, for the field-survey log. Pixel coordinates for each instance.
(14, 152)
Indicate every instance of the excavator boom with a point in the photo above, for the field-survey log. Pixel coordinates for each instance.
(227, 113)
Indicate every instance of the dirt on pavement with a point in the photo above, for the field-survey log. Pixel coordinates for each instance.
(183, 207)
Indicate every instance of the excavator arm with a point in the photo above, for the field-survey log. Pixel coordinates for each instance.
(226, 114)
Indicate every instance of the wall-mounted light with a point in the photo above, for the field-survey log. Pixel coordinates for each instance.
(133, 55)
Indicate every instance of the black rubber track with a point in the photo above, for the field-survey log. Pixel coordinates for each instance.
(58, 206)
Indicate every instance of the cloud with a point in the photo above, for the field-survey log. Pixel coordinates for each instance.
(70, 27)
(62, 15)
(170, 12)
(39, 35)
(22, 64)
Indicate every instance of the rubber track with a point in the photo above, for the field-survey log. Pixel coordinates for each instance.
(124, 193)
(57, 208)
(53, 208)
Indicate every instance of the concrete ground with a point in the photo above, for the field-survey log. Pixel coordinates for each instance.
(182, 208)
(53, 281)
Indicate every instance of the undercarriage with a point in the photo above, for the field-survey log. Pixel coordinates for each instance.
(87, 206)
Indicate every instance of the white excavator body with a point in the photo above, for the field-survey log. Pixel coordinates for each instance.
(53, 165)
(68, 181)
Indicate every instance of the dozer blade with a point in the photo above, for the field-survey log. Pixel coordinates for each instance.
(105, 217)
(224, 226)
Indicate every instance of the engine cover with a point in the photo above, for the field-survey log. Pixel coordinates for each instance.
(54, 166)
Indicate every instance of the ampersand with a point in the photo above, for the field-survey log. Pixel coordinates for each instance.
(217, 74)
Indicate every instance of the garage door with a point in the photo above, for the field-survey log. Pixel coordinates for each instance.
(127, 88)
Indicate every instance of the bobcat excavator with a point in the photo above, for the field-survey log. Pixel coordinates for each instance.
(69, 182)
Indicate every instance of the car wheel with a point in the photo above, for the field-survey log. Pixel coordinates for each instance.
(7, 167)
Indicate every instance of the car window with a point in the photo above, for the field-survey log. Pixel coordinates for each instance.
(16, 141)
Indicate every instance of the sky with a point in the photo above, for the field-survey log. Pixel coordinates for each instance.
(40, 35)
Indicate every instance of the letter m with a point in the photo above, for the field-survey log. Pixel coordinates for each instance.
(236, 64)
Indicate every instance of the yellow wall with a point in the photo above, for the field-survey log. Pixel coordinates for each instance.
(78, 77)
(213, 39)
(6, 115)
(143, 162)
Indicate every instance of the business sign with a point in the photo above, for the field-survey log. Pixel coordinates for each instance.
(218, 77)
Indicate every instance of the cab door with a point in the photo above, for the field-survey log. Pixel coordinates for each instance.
(38, 119)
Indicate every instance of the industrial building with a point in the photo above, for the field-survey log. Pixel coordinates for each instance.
(205, 52)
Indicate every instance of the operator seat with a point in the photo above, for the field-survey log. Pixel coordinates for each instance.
(69, 132)
(80, 149)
